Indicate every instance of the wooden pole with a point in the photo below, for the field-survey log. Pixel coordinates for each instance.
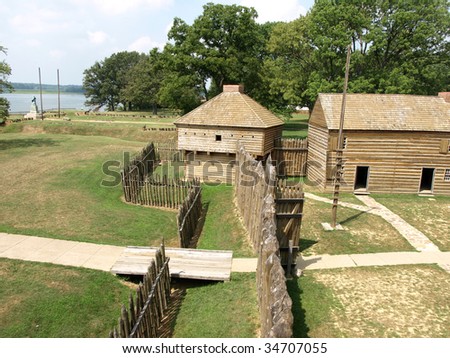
(40, 91)
(59, 95)
(338, 175)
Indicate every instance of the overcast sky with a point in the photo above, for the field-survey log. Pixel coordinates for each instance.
(71, 35)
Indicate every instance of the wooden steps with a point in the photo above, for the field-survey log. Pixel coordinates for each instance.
(184, 263)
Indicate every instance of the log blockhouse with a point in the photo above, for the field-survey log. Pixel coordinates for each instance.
(210, 133)
(392, 143)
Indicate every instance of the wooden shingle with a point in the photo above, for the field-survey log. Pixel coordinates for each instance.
(231, 109)
(387, 112)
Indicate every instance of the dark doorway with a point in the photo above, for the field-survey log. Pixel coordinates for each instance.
(426, 182)
(361, 178)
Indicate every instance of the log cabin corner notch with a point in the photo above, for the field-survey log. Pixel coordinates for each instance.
(392, 143)
(210, 133)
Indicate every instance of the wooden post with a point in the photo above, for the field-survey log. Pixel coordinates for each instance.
(40, 92)
(59, 94)
(338, 175)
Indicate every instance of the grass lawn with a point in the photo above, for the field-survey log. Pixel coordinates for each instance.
(219, 310)
(44, 300)
(365, 233)
(296, 127)
(429, 215)
(125, 131)
(391, 301)
(222, 229)
(51, 186)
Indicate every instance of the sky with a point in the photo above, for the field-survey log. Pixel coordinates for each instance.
(71, 35)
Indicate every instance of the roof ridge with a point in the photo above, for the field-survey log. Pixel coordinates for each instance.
(248, 105)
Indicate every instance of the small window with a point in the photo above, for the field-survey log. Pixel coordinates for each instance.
(344, 144)
(218, 137)
(447, 175)
(445, 146)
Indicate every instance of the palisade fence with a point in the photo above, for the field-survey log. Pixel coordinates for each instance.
(255, 195)
(290, 155)
(145, 313)
(160, 191)
(169, 152)
(189, 214)
(135, 172)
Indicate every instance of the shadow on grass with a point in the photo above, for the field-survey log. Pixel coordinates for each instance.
(179, 290)
(300, 328)
(306, 244)
(27, 142)
(199, 229)
(351, 218)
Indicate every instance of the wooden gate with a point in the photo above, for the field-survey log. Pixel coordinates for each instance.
(289, 212)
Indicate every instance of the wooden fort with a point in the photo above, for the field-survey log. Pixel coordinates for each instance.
(210, 133)
(392, 143)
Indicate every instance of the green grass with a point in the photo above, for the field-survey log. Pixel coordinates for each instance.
(54, 186)
(365, 233)
(222, 229)
(219, 310)
(429, 215)
(126, 131)
(296, 127)
(44, 300)
(312, 304)
(372, 302)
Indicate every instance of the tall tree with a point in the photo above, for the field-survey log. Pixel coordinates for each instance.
(144, 82)
(5, 71)
(105, 81)
(223, 45)
(398, 46)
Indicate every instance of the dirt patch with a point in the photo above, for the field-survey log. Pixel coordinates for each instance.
(405, 301)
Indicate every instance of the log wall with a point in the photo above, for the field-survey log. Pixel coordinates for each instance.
(395, 160)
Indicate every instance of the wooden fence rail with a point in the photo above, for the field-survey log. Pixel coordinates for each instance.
(290, 155)
(275, 304)
(144, 315)
(256, 190)
(189, 214)
(159, 191)
(135, 172)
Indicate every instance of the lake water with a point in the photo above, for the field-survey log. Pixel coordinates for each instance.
(21, 102)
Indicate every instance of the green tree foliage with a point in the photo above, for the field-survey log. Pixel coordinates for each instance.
(5, 71)
(144, 82)
(223, 45)
(398, 46)
(105, 81)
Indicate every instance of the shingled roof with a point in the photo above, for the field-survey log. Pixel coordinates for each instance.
(231, 108)
(390, 112)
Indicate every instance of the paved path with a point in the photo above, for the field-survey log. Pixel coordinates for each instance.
(61, 252)
(379, 259)
(103, 257)
(416, 238)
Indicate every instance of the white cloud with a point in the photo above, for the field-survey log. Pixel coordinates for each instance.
(144, 44)
(97, 37)
(117, 7)
(38, 21)
(280, 10)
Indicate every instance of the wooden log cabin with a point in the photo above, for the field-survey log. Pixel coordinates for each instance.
(210, 133)
(392, 143)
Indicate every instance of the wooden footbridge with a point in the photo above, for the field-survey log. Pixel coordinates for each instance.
(194, 264)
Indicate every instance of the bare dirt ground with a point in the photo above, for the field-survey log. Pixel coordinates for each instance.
(404, 301)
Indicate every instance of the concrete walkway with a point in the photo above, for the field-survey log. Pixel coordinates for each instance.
(379, 259)
(103, 257)
(61, 252)
(416, 238)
